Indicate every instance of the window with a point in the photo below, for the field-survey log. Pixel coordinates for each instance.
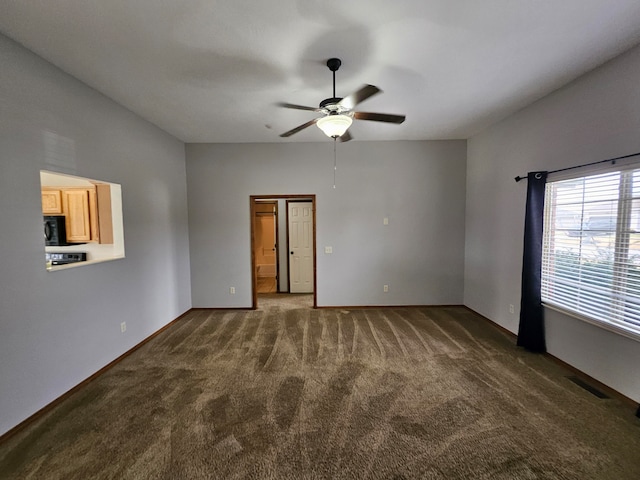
(591, 249)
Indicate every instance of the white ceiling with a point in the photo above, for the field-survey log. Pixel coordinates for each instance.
(211, 71)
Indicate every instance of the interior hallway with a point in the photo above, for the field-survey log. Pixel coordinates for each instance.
(267, 285)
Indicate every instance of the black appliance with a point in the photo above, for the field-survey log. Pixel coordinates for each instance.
(55, 231)
(64, 258)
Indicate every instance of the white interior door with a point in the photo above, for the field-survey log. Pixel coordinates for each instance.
(301, 247)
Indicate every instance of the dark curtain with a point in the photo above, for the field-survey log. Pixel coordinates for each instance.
(531, 329)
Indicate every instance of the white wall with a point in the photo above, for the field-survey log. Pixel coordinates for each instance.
(593, 118)
(58, 328)
(419, 186)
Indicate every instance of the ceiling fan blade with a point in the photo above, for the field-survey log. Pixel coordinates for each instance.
(298, 107)
(300, 127)
(379, 117)
(360, 95)
(346, 136)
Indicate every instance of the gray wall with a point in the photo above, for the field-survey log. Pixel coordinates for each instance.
(594, 118)
(58, 328)
(283, 253)
(419, 186)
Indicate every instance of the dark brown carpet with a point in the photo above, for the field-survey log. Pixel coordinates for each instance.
(429, 393)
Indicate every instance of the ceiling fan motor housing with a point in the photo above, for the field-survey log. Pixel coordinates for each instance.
(329, 101)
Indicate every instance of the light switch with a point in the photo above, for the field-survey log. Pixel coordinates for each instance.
(328, 249)
(385, 221)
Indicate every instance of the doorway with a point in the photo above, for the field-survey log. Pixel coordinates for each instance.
(284, 271)
(265, 224)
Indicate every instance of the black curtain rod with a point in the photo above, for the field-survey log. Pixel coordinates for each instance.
(612, 160)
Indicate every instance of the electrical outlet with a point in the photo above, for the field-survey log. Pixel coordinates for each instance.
(511, 309)
(385, 289)
(123, 327)
(328, 249)
(232, 290)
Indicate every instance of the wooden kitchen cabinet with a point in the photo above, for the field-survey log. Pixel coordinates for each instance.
(87, 211)
(81, 213)
(51, 202)
(105, 214)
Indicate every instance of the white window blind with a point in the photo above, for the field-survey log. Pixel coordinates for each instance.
(591, 249)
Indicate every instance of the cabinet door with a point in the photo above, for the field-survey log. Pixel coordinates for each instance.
(78, 223)
(51, 202)
(104, 216)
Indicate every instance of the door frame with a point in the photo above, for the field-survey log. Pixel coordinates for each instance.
(252, 209)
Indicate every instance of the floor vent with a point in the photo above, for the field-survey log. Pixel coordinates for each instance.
(589, 388)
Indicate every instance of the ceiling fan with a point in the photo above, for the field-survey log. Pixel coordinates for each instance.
(337, 113)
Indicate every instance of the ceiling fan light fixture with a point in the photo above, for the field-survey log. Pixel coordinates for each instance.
(334, 125)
